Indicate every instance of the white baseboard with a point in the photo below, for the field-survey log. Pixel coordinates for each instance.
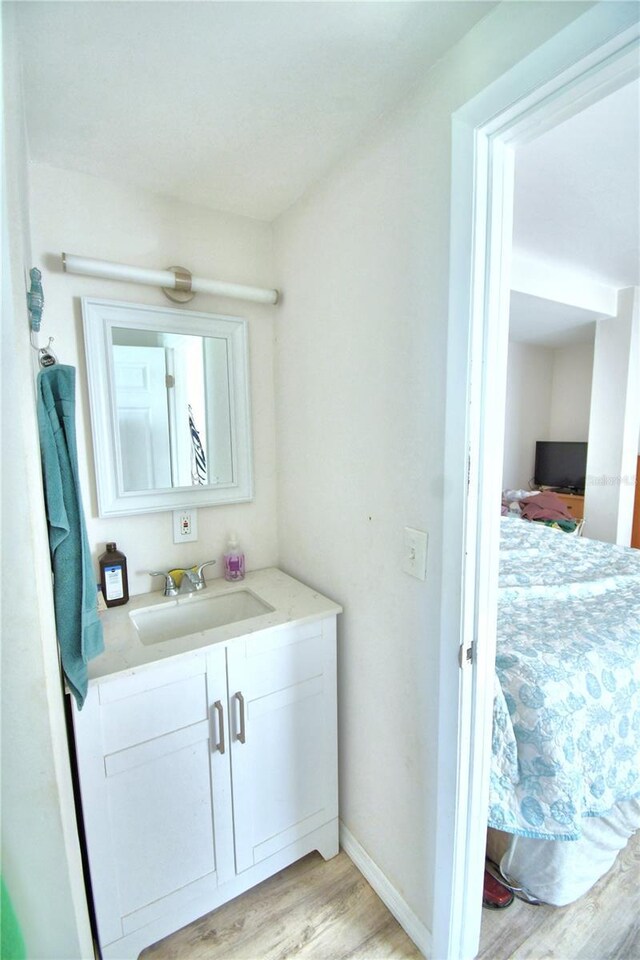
(407, 919)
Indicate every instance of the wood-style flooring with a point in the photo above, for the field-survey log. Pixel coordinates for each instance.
(314, 910)
(604, 924)
(327, 911)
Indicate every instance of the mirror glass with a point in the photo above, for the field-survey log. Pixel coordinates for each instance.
(169, 407)
(172, 409)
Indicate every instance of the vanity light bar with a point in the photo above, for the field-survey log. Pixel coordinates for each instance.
(87, 266)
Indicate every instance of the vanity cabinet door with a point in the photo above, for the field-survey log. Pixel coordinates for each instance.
(282, 703)
(151, 767)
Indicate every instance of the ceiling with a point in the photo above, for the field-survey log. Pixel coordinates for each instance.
(241, 106)
(235, 106)
(577, 203)
(546, 323)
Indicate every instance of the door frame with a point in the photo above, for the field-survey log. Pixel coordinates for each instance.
(592, 57)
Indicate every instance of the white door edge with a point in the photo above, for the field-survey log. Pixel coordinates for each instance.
(590, 58)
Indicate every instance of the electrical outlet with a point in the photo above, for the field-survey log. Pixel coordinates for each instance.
(415, 553)
(185, 526)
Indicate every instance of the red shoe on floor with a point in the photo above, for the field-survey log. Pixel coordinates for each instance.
(495, 895)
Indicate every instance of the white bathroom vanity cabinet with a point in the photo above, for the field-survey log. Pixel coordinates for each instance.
(206, 763)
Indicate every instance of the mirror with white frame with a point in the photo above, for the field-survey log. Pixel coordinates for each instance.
(169, 395)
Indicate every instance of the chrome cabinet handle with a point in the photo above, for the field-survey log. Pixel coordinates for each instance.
(242, 736)
(220, 746)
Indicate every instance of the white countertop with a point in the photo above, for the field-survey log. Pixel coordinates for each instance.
(291, 600)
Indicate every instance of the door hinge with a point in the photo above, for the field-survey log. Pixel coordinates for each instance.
(169, 381)
(467, 655)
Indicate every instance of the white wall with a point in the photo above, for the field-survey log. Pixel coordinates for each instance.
(40, 850)
(548, 398)
(615, 414)
(571, 392)
(100, 218)
(360, 388)
(527, 412)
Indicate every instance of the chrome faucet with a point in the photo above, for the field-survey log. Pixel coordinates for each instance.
(192, 579)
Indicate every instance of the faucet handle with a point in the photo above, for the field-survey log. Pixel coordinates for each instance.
(170, 588)
(201, 567)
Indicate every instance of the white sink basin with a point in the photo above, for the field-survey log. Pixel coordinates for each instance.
(194, 614)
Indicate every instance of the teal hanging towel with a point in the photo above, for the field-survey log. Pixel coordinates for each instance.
(78, 625)
(11, 939)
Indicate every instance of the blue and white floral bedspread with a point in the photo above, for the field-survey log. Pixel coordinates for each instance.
(566, 732)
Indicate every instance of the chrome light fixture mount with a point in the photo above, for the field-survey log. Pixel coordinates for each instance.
(181, 292)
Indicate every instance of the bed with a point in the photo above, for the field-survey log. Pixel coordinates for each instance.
(565, 776)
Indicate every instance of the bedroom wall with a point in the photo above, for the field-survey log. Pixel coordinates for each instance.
(571, 392)
(548, 398)
(95, 217)
(530, 378)
(360, 392)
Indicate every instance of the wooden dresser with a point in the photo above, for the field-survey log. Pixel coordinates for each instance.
(574, 504)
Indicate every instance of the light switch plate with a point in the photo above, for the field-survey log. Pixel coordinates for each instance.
(185, 526)
(415, 553)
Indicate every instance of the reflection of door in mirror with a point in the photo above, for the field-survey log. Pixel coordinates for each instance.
(141, 414)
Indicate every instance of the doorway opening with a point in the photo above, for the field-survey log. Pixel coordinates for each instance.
(585, 63)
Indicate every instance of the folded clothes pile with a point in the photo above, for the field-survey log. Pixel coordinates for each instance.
(544, 506)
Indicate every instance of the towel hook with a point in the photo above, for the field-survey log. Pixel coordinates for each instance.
(46, 356)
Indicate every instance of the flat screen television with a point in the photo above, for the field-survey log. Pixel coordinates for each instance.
(561, 464)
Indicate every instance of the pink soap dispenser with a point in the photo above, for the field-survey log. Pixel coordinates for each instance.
(233, 560)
